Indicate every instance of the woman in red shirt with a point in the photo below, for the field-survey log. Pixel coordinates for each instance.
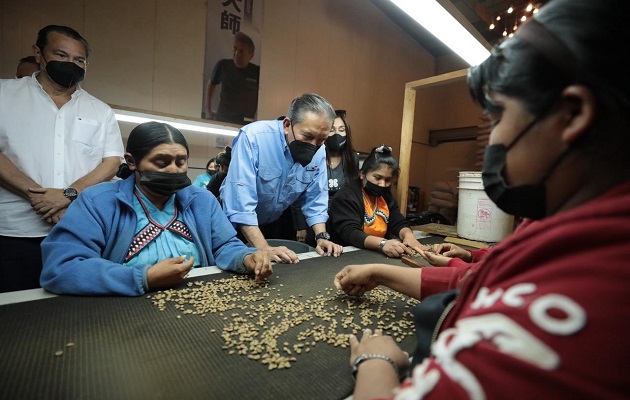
(543, 314)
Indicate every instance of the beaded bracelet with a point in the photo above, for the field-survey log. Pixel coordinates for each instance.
(364, 357)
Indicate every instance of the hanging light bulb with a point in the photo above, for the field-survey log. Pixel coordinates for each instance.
(509, 10)
(529, 7)
(505, 33)
(535, 11)
(523, 18)
(511, 35)
(491, 26)
(498, 18)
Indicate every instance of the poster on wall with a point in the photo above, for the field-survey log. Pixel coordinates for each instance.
(232, 60)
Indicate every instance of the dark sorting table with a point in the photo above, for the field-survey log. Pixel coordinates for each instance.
(126, 348)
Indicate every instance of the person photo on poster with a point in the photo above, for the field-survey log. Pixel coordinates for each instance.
(231, 84)
(238, 78)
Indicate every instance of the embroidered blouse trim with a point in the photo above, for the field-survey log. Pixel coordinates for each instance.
(153, 229)
(369, 219)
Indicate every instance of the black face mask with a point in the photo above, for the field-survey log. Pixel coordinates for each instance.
(302, 152)
(528, 201)
(64, 73)
(375, 190)
(336, 142)
(164, 183)
(211, 172)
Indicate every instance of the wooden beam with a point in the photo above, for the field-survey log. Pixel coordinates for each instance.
(438, 79)
(406, 133)
(406, 136)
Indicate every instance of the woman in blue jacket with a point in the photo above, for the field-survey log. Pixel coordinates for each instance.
(144, 232)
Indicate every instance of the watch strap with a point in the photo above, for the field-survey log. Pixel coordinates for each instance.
(322, 235)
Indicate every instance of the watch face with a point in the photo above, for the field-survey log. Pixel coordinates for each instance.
(323, 235)
(70, 193)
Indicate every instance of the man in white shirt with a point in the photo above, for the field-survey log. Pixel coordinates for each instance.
(55, 140)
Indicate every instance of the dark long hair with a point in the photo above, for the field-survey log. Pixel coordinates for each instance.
(224, 158)
(348, 155)
(147, 136)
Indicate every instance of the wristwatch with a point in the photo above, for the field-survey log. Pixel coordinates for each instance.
(322, 235)
(382, 244)
(70, 193)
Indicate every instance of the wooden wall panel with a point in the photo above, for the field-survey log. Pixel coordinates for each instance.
(179, 57)
(457, 109)
(343, 39)
(312, 45)
(277, 58)
(21, 20)
(350, 53)
(448, 63)
(122, 66)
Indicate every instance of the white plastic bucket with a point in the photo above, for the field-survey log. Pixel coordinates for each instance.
(478, 218)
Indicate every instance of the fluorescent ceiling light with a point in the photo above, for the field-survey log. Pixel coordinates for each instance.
(181, 124)
(434, 18)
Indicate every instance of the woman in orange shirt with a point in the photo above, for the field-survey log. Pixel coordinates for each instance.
(364, 213)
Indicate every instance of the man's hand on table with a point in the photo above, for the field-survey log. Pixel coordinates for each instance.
(327, 248)
(282, 254)
(259, 263)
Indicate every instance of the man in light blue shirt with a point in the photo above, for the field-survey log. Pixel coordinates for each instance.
(275, 163)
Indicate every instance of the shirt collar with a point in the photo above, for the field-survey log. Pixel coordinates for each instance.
(35, 82)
